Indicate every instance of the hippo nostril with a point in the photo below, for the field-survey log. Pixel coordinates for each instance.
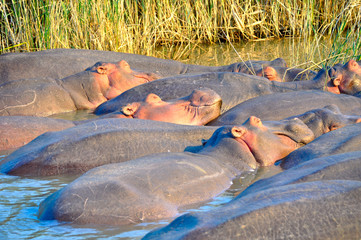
(254, 121)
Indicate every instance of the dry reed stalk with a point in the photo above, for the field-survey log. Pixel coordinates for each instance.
(142, 26)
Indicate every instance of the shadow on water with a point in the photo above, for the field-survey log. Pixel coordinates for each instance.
(20, 196)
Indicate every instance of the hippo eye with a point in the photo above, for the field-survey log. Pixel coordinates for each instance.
(334, 127)
(332, 73)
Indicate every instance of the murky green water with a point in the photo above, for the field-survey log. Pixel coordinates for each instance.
(20, 196)
(297, 52)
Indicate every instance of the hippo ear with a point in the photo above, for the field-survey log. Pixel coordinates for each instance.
(103, 69)
(125, 66)
(238, 131)
(271, 74)
(352, 65)
(335, 76)
(130, 109)
(334, 127)
(336, 81)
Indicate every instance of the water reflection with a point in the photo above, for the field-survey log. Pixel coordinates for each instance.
(297, 52)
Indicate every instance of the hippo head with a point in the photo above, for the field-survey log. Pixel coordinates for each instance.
(200, 107)
(265, 143)
(284, 74)
(115, 78)
(345, 78)
(326, 119)
(270, 73)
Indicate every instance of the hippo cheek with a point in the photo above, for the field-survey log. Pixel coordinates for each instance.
(269, 148)
(167, 113)
(350, 84)
(247, 153)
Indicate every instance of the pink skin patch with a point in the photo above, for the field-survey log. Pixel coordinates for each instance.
(199, 108)
(115, 78)
(265, 146)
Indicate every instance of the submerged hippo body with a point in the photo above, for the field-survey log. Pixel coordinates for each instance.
(35, 97)
(346, 139)
(233, 88)
(16, 131)
(95, 143)
(155, 186)
(283, 105)
(200, 107)
(60, 63)
(317, 199)
(85, 90)
(311, 210)
(284, 74)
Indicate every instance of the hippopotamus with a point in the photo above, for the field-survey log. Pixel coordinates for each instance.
(324, 120)
(198, 108)
(346, 139)
(101, 82)
(343, 166)
(321, 189)
(285, 74)
(61, 63)
(278, 106)
(155, 186)
(234, 88)
(45, 150)
(78, 149)
(346, 78)
(84, 90)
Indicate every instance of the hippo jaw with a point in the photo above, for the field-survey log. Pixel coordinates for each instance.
(206, 113)
(205, 105)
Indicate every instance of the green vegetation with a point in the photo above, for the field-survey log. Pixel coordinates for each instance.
(142, 26)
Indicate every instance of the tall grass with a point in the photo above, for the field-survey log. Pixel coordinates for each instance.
(140, 26)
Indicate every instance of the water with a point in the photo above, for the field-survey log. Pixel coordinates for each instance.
(296, 52)
(20, 196)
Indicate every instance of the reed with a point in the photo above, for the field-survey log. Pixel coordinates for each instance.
(142, 26)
